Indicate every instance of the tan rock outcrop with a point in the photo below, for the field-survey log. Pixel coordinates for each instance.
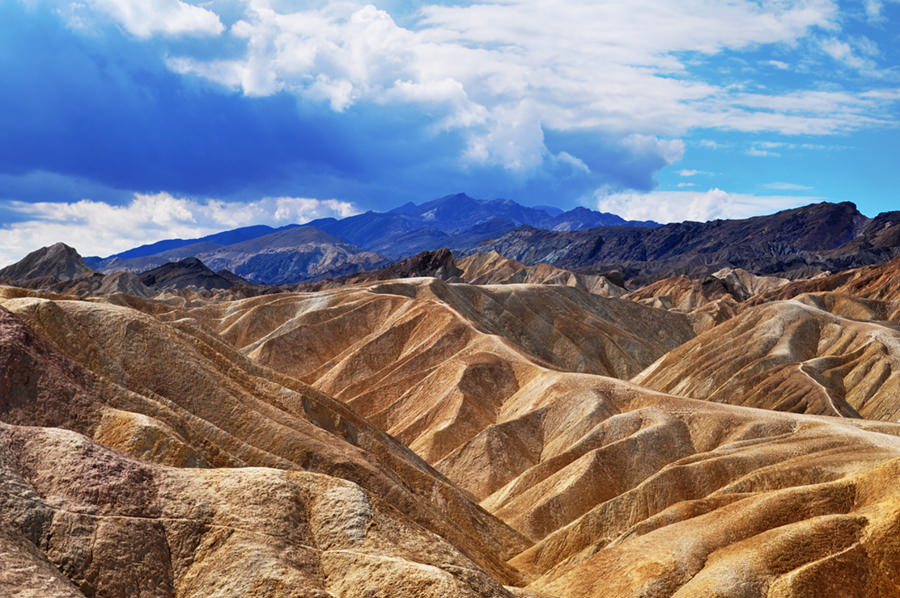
(880, 283)
(492, 268)
(709, 301)
(173, 394)
(589, 468)
(115, 526)
(150, 448)
(791, 356)
(432, 362)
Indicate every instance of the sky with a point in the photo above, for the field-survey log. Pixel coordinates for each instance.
(124, 122)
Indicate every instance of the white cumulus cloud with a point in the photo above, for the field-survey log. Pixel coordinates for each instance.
(146, 18)
(854, 57)
(677, 206)
(780, 186)
(506, 72)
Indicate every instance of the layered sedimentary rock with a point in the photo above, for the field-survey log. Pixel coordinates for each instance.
(819, 353)
(635, 494)
(687, 295)
(150, 447)
(586, 466)
(431, 362)
(481, 269)
(492, 268)
(170, 394)
(877, 284)
(82, 520)
(710, 300)
(437, 264)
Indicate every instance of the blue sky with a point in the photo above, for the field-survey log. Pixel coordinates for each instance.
(128, 121)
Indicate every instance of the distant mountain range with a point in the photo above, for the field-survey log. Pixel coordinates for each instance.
(261, 254)
(823, 237)
(456, 221)
(329, 247)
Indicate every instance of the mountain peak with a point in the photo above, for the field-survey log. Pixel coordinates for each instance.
(58, 261)
(192, 263)
(185, 273)
(456, 197)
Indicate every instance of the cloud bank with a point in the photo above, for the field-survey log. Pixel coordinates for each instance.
(678, 206)
(145, 18)
(505, 72)
(538, 97)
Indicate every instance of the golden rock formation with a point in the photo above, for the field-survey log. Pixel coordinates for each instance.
(430, 362)
(173, 394)
(792, 356)
(492, 268)
(196, 446)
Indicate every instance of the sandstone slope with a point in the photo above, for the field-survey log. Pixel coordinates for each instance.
(78, 515)
(430, 362)
(621, 489)
(877, 284)
(710, 300)
(635, 494)
(171, 394)
(480, 268)
(492, 268)
(800, 355)
(607, 487)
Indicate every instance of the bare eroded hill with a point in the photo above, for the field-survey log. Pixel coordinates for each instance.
(235, 448)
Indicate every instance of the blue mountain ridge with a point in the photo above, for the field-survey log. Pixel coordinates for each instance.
(451, 221)
(228, 237)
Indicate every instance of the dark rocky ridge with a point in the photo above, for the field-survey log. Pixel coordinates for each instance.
(793, 243)
(437, 264)
(59, 262)
(189, 272)
(59, 269)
